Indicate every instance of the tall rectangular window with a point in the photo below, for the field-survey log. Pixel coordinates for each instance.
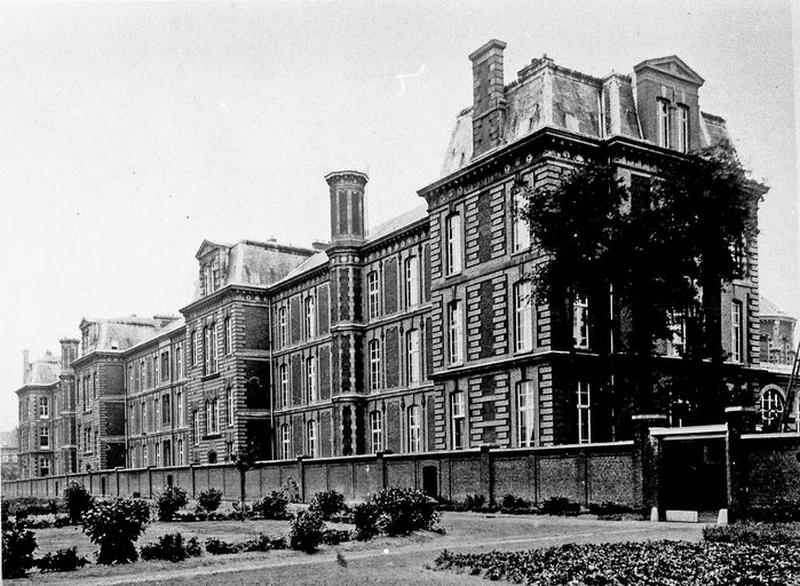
(143, 415)
(282, 326)
(580, 323)
(453, 241)
(413, 370)
(374, 364)
(373, 294)
(737, 338)
(196, 427)
(179, 408)
(458, 419)
(525, 414)
(286, 441)
(229, 406)
(166, 409)
(412, 281)
(662, 115)
(523, 316)
(193, 348)
(44, 437)
(284, 373)
(521, 231)
(228, 336)
(180, 452)
(44, 407)
(311, 379)
(455, 328)
(213, 352)
(156, 414)
(584, 404)
(414, 437)
(311, 318)
(179, 361)
(376, 430)
(164, 366)
(311, 438)
(683, 128)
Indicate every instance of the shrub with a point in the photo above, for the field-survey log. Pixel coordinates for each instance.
(260, 542)
(781, 510)
(210, 499)
(291, 490)
(752, 533)
(18, 547)
(306, 531)
(62, 560)
(77, 501)
(474, 502)
(171, 548)
(328, 503)
(169, 501)
(560, 505)
(365, 518)
(403, 510)
(216, 546)
(115, 526)
(272, 506)
(335, 536)
(5, 508)
(31, 505)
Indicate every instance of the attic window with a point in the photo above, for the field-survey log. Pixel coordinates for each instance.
(683, 128)
(662, 115)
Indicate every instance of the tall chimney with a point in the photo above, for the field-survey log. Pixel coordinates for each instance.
(26, 366)
(69, 352)
(347, 206)
(489, 104)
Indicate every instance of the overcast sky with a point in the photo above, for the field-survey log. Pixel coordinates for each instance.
(131, 132)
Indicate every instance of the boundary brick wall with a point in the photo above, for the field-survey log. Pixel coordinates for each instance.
(773, 467)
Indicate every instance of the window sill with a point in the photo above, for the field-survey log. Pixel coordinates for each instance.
(214, 435)
(211, 376)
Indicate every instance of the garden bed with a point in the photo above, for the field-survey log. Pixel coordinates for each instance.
(654, 563)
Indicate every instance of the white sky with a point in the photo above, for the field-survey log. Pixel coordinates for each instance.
(131, 132)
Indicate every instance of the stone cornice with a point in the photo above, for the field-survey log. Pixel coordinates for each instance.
(245, 293)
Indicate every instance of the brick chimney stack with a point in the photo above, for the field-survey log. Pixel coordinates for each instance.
(489, 104)
(69, 352)
(347, 206)
(26, 366)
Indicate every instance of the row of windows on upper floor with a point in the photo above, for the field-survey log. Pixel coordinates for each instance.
(33, 406)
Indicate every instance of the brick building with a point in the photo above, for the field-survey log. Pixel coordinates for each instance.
(36, 396)
(418, 335)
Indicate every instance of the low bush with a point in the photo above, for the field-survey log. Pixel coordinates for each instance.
(655, 563)
(513, 504)
(18, 547)
(335, 536)
(272, 506)
(365, 518)
(306, 531)
(328, 503)
(115, 526)
(62, 560)
(171, 548)
(474, 502)
(26, 506)
(781, 510)
(753, 533)
(560, 505)
(210, 499)
(77, 501)
(216, 546)
(169, 500)
(404, 510)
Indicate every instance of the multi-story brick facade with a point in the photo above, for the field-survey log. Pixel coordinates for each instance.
(36, 396)
(419, 335)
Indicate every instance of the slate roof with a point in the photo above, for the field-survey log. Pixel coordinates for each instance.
(43, 371)
(767, 308)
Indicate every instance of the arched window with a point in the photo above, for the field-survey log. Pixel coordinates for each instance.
(212, 457)
(770, 405)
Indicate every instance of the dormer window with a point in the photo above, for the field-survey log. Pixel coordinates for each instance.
(662, 114)
(210, 276)
(683, 128)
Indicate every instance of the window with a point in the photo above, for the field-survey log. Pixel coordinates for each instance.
(311, 321)
(580, 323)
(212, 416)
(145, 454)
(376, 430)
(453, 240)
(523, 316)
(143, 415)
(457, 411)
(374, 364)
(677, 336)
(44, 407)
(584, 413)
(455, 326)
(311, 379)
(683, 128)
(193, 349)
(229, 402)
(374, 296)
(179, 361)
(662, 114)
(412, 357)
(180, 453)
(44, 437)
(213, 352)
(282, 326)
(44, 466)
(311, 438)
(770, 406)
(166, 413)
(228, 336)
(285, 441)
(157, 459)
(167, 450)
(154, 371)
(164, 366)
(284, 385)
(94, 385)
(736, 331)
(414, 443)
(412, 281)
(525, 414)
(179, 407)
(520, 230)
(196, 427)
(156, 413)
